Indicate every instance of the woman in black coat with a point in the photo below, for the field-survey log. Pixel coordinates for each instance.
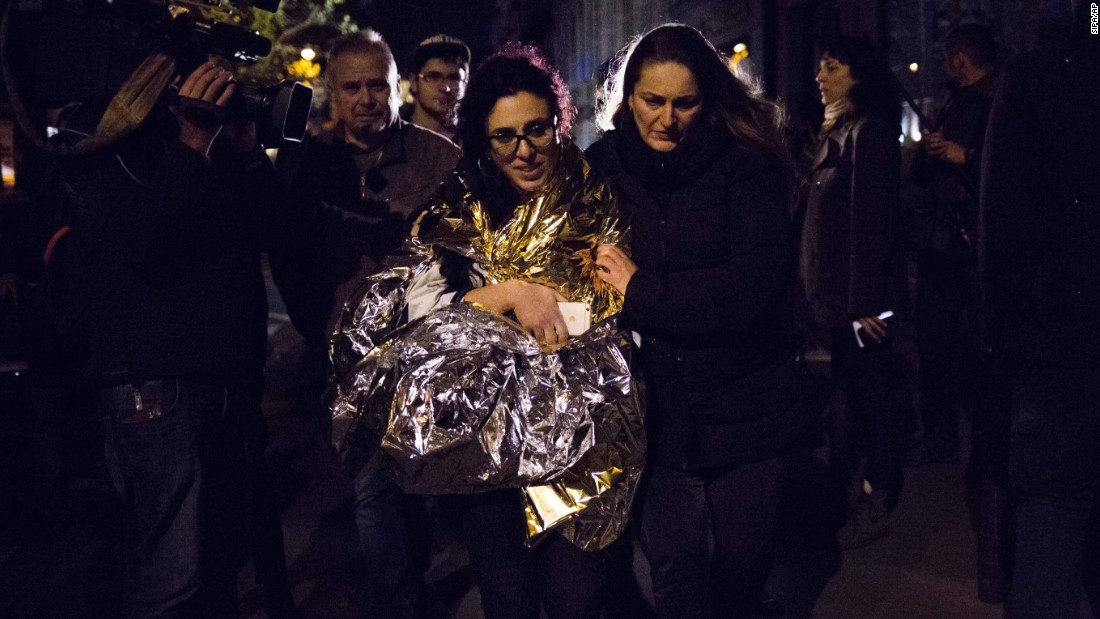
(698, 163)
(851, 266)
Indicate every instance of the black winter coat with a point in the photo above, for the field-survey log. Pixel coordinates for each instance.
(1040, 207)
(179, 292)
(950, 205)
(852, 264)
(343, 222)
(711, 297)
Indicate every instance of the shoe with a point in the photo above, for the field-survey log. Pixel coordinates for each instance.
(869, 522)
(931, 449)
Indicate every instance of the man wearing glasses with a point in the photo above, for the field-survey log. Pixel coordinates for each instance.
(437, 81)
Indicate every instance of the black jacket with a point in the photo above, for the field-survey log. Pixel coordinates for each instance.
(711, 297)
(179, 292)
(344, 221)
(852, 264)
(1040, 207)
(946, 222)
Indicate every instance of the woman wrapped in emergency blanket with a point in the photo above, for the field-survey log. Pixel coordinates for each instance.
(455, 368)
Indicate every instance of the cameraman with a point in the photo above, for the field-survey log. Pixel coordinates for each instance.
(176, 319)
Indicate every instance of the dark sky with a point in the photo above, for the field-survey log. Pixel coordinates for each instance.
(404, 23)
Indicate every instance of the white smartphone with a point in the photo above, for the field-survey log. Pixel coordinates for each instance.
(578, 316)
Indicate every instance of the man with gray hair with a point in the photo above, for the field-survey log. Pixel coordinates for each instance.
(351, 190)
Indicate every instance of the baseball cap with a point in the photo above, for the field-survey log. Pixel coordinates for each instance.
(439, 46)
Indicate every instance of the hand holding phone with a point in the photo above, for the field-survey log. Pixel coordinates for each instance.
(577, 316)
(874, 327)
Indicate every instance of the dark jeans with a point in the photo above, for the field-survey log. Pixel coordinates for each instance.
(948, 302)
(265, 525)
(686, 514)
(947, 294)
(178, 463)
(515, 581)
(395, 533)
(991, 420)
(863, 373)
(1055, 468)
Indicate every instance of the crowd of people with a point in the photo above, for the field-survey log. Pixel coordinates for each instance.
(714, 255)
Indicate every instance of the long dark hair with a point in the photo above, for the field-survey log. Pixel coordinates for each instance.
(753, 120)
(875, 92)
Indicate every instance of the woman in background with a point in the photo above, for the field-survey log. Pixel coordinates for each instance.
(698, 161)
(851, 262)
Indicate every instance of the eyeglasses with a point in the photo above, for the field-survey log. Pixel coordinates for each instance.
(506, 143)
(435, 77)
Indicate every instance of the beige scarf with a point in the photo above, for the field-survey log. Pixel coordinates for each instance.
(833, 112)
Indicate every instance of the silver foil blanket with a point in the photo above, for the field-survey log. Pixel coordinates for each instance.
(464, 401)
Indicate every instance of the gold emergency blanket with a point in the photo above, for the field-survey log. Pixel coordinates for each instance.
(462, 400)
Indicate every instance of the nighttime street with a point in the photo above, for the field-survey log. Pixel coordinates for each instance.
(925, 568)
(549, 309)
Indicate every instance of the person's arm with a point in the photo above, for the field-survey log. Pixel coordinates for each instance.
(242, 163)
(963, 148)
(728, 297)
(292, 257)
(534, 305)
(974, 142)
(876, 172)
(949, 151)
(428, 291)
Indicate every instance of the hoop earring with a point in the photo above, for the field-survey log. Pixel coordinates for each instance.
(481, 167)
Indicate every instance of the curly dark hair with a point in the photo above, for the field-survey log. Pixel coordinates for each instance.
(875, 92)
(515, 68)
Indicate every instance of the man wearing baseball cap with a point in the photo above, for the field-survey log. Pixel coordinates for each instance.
(437, 81)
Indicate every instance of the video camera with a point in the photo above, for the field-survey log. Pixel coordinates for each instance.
(117, 34)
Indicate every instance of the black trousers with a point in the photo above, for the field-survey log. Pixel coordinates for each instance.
(709, 537)
(1055, 469)
(864, 374)
(948, 299)
(947, 294)
(515, 581)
